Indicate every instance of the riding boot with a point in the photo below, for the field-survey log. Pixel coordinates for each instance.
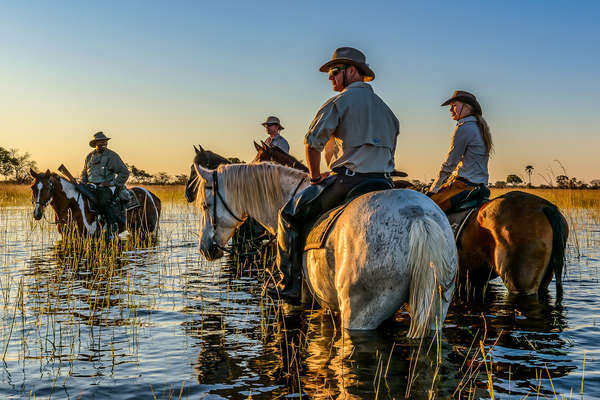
(288, 263)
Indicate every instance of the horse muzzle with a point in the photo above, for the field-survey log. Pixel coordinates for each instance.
(38, 213)
(212, 253)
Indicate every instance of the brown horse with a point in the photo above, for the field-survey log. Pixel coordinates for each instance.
(518, 236)
(274, 154)
(72, 209)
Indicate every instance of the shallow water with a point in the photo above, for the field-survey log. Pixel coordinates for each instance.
(158, 320)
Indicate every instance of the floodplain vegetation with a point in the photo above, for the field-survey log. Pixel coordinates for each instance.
(63, 311)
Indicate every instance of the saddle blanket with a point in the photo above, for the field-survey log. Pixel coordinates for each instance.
(318, 233)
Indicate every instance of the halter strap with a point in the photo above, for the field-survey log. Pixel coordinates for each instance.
(216, 195)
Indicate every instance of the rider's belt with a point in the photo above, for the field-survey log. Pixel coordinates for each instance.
(466, 181)
(349, 172)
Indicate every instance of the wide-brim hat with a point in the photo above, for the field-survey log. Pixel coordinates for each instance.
(465, 97)
(350, 56)
(273, 120)
(98, 137)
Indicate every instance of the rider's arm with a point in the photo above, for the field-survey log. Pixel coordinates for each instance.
(458, 145)
(117, 166)
(313, 157)
(323, 126)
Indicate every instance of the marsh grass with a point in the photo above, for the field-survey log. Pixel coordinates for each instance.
(96, 288)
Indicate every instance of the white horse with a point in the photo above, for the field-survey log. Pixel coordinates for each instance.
(387, 247)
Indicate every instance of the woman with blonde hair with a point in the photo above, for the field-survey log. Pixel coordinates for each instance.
(466, 166)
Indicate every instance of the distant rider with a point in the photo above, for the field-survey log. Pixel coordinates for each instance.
(358, 133)
(274, 128)
(105, 169)
(466, 166)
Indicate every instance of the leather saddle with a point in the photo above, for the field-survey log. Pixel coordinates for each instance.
(463, 206)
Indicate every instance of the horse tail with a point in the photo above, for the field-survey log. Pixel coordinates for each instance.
(433, 264)
(560, 231)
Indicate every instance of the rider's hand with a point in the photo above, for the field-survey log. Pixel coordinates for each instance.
(321, 177)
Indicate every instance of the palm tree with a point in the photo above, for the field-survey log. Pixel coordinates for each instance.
(529, 170)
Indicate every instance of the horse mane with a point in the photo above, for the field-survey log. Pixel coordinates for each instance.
(255, 188)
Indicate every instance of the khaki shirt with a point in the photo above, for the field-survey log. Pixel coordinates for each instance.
(104, 167)
(467, 156)
(357, 130)
(278, 141)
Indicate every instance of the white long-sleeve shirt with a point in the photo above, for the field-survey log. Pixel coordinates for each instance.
(467, 156)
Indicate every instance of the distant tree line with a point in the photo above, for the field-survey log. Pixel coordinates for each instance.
(560, 181)
(15, 166)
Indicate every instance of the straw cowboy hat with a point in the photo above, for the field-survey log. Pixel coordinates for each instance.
(98, 137)
(465, 97)
(273, 120)
(350, 56)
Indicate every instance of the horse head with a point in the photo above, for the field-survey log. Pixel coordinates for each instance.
(42, 191)
(217, 220)
(206, 159)
(266, 152)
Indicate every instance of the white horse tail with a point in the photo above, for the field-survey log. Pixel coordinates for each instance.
(433, 264)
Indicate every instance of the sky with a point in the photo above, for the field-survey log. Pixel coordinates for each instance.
(160, 76)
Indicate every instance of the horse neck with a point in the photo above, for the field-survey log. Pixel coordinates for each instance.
(60, 202)
(64, 199)
(260, 202)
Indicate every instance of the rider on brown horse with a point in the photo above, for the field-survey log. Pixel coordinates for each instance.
(466, 166)
(358, 132)
(108, 173)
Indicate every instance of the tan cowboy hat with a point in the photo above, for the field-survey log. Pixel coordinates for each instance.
(98, 137)
(465, 97)
(351, 56)
(273, 120)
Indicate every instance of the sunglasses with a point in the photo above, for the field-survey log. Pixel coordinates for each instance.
(272, 123)
(333, 71)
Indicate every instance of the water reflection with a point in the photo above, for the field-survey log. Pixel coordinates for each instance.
(523, 334)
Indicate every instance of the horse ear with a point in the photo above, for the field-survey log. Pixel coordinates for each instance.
(203, 173)
(197, 151)
(47, 172)
(33, 173)
(265, 146)
(256, 146)
(201, 149)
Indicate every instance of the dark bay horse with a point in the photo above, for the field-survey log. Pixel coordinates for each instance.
(72, 209)
(518, 236)
(207, 159)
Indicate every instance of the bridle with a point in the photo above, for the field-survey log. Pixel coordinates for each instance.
(44, 203)
(217, 195)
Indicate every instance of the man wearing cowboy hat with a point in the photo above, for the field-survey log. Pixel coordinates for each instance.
(274, 128)
(108, 173)
(358, 133)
